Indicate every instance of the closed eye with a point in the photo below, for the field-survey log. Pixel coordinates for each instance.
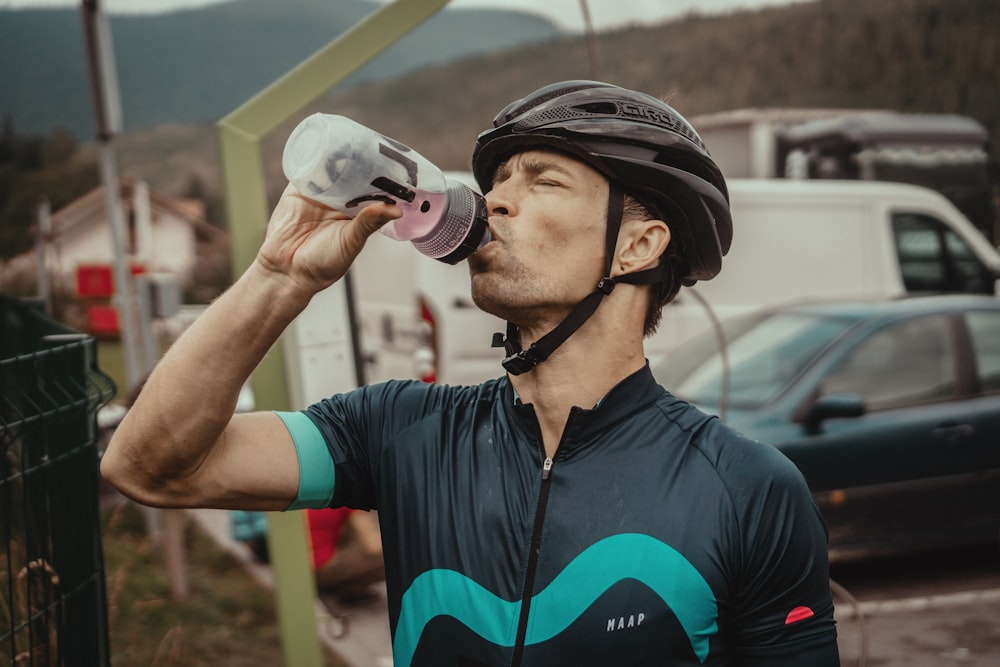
(542, 172)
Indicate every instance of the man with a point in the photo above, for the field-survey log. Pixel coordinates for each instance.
(570, 513)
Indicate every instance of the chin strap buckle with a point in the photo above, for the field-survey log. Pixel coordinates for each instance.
(510, 341)
(605, 285)
(521, 362)
(517, 361)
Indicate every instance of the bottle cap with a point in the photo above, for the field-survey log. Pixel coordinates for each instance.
(462, 228)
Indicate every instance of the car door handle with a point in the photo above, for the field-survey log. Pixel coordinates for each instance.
(953, 434)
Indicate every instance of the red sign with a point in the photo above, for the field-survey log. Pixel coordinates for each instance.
(102, 321)
(94, 280)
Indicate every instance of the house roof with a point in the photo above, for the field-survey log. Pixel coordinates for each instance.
(92, 205)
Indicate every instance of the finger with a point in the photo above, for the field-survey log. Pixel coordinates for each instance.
(367, 222)
(294, 208)
(372, 217)
(293, 194)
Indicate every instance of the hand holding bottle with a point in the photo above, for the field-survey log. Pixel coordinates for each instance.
(312, 244)
(337, 162)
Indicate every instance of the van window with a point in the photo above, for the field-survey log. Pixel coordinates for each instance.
(933, 258)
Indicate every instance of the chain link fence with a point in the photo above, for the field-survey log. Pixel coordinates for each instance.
(53, 608)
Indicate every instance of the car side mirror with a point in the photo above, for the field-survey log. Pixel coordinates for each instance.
(833, 406)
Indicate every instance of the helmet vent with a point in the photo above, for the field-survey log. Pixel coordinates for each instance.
(602, 108)
(547, 116)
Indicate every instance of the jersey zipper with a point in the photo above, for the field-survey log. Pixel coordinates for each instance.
(529, 577)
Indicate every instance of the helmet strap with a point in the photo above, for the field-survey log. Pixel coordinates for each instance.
(520, 361)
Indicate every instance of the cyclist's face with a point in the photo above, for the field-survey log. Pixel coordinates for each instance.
(548, 214)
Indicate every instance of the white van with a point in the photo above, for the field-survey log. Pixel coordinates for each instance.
(793, 241)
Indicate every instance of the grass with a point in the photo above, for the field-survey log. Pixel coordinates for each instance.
(111, 360)
(227, 618)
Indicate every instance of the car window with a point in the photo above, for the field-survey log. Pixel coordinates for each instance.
(764, 354)
(933, 258)
(984, 328)
(905, 363)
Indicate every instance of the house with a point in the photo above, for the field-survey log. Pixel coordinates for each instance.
(163, 237)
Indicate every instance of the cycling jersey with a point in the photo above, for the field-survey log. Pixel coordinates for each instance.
(655, 535)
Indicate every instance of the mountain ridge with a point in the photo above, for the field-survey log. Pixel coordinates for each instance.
(196, 65)
(925, 56)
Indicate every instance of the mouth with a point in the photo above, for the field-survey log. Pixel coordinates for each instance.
(489, 239)
(477, 260)
(492, 231)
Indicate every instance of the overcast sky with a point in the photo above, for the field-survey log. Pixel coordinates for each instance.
(566, 13)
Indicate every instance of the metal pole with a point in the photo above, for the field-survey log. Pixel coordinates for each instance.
(107, 115)
(41, 245)
(123, 295)
(592, 50)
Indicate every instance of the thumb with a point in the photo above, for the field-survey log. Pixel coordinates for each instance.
(369, 220)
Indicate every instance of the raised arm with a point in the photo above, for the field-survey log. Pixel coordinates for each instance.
(180, 445)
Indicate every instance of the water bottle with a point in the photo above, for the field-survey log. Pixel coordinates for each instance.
(345, 165)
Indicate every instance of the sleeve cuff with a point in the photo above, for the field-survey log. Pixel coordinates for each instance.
(316, 473)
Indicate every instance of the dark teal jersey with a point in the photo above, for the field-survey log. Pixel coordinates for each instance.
(656, 535)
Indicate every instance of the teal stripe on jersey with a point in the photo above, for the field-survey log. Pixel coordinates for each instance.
(316, 475)
(449, 593)
(628, 556)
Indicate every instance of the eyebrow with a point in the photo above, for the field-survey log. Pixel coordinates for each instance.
(532, 165)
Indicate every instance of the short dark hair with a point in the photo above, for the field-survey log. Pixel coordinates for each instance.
(673, 257)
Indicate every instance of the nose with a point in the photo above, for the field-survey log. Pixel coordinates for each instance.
(498, 201)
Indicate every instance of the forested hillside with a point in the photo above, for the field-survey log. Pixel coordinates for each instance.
(197, 64)
(936, 56)
(910, 55)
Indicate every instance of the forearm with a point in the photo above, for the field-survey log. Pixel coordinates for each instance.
(180, 444)
(187, 403)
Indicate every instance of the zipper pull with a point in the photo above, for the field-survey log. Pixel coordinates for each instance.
(546, 467)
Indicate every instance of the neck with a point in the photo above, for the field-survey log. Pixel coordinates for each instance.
(599, 355)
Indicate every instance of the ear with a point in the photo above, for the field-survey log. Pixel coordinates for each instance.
(640, 244)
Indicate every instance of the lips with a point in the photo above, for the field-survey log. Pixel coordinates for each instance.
(492, 231)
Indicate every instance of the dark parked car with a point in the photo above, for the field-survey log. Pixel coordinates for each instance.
(890, 410)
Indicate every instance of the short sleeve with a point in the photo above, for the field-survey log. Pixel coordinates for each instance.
(356, 426)
(783, 606)
(316, 473)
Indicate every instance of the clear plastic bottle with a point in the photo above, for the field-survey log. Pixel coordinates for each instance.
(345, 165)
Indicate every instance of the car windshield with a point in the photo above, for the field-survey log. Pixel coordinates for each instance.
(766, 352)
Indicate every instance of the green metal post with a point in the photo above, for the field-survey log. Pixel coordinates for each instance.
(240, 134)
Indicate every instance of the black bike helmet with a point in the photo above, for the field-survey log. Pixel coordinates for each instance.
(643, 147)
